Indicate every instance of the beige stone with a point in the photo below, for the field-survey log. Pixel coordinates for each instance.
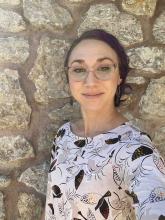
(139, 80)
(4, 181)
(29, 207)
(10, 2)
(66, 113)
(47, 135)
(48, 72)
(14, 110)
(2, 209)
(11, 21)
(140, 7)
(36, 177)
(46, 14)
(124, 26)
(159, 28)
(153, 101)
(149, 59)
(13, 49)
(159, 140)
(12, 149)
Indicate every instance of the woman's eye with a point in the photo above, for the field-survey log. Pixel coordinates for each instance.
(104, 68)
(79, 70)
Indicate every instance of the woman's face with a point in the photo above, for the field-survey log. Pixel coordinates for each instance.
(93, 93)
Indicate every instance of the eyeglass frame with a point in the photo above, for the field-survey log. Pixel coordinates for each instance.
(88, 71)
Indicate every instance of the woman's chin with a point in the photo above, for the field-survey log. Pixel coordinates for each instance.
(92, 107)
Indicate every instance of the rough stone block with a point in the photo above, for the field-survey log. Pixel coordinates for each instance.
(153, 101)
(29, 207)
(13, 49)
(159, 28)
(10, 2)
(124, 26)
(150, 59)
(2, 209)
(48, 72)
(46, 14)
(12, 149)
(11, 21)
(4, 181)
(14, 110)
(36, 177)
(142, 7)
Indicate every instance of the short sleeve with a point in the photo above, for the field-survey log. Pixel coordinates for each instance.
(144, 176)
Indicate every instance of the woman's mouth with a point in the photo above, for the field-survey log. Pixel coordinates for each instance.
(91, 96)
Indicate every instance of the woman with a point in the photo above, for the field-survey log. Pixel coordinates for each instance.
(102, 167)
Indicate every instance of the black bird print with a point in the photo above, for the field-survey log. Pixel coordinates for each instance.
(79, 178)
(144, 133)
(51, 207)
(133, 195)
(113, 140)
(61, 133)
(56, 191)
(82, 215)
(104, 209)
(52, 166)
(53, 147)
(103, 205)
(141, 151)
(117, 178)
(161, 217)
(111, 155)
(80, 143)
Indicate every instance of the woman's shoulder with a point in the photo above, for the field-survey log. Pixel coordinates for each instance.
(132, 137)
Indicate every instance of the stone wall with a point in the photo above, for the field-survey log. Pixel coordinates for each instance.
(34, 95)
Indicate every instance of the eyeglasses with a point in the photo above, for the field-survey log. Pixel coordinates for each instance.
(101, 71)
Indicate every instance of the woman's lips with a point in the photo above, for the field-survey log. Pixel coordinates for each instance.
(91, 96)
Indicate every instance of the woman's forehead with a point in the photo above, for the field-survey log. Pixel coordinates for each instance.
(92, 48)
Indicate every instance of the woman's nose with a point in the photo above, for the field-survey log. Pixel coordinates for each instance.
(90, 78)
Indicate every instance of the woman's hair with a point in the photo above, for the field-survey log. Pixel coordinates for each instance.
(112, 41)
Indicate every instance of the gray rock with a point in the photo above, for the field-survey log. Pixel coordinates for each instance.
(66, 113)
(46, 14)
(10, 2)
(36, 177)
(107, 16)
(2, 209)
(48, 72)
(47, 135)
(29, 207)
(153, 101)
(147, 59)
(159, 139)
(81, 1)
(11, 21)
(14, 110)
(146, 7)
(12, 149)
(139, 80)
(13, 49)
(159, 28)
(4, 181)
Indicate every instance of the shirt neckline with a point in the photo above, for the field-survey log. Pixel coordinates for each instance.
(113, 130)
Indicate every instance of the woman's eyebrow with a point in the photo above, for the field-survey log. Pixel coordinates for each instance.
(78, 61)
(99, 59)
(104, 58)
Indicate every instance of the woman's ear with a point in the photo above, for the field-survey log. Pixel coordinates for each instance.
(119, 81)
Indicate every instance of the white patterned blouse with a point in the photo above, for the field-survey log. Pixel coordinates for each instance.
(117, 175)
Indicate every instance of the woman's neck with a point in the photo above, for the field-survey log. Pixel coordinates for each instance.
(96, 122)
